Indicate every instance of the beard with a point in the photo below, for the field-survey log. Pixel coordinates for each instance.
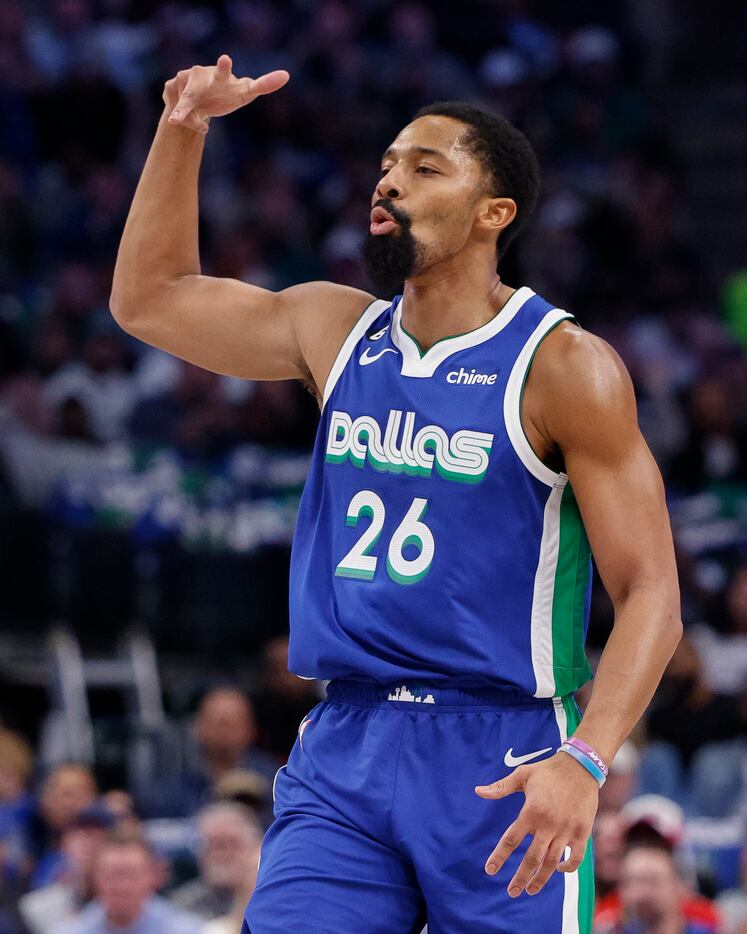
(391, 258)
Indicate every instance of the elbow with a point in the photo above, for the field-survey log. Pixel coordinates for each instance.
(127, 310)
(118, 311)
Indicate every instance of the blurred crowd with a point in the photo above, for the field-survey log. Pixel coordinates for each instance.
(175, 856)
(285, 192)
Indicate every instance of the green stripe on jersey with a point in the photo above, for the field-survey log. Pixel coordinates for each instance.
(570, 664)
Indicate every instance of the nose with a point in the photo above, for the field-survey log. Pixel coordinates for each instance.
(389, 186)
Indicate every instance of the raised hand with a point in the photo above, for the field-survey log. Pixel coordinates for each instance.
(561, 801)
(195, 95)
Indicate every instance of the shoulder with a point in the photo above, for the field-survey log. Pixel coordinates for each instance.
(572, 359)
(327, 301)
(580, 386)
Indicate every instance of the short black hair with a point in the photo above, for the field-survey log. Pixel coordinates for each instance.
(506, 154)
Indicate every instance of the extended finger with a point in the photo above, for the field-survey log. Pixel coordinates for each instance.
(272, 81)
(504, 786)
(571, 863)
(548, 866)
(533, 860)
(512, 837)
(223, 66)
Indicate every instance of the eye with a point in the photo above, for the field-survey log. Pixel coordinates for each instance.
(427, 169)
(384, 171)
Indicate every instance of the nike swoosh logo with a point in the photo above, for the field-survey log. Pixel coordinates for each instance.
(366, 358)
(512, 761)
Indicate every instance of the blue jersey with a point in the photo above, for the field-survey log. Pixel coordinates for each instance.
(431, 542)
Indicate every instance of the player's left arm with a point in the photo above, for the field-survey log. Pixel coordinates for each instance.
(583, 407)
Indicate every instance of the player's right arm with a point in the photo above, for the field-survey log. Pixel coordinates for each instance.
(159, 293)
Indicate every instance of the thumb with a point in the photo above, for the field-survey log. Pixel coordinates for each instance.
(224, 66)
(503, 787)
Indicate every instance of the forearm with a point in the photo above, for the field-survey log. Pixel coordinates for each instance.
(160, 239)
(646, 632)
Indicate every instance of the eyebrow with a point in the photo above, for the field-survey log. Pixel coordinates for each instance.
(423, 150)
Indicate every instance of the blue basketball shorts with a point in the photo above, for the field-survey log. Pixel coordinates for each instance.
(378, 829)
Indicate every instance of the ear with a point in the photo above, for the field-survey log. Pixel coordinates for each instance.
(496, 213)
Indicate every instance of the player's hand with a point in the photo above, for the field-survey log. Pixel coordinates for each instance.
(195, 95)
(561, 801)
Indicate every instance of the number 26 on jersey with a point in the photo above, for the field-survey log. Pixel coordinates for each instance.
(360, 562)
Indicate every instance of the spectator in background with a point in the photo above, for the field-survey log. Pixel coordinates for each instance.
(609, 839)
(649, 821)
(73, 889)
(651, 895)
(723, 647)
(125, 880)
(697, 751)
(192, 415)
(16, 804)
(68, 790)
(224, 731)
(716, 448)
(100, 382)
(249, 789)
(228, 851)
(282, 700)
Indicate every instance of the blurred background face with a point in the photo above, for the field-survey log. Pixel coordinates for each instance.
(67, 791)
(432, 196)
(650, 889)
(608, 846)
(125, 880)
(229, 852)
(225, 724)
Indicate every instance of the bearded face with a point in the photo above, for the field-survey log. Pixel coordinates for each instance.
(392, 257)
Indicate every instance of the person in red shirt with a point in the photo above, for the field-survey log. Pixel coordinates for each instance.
(654, 823)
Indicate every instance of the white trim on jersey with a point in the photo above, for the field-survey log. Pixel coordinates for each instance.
(369, 315)
(544, 592)
(512, 401)
(413, 364)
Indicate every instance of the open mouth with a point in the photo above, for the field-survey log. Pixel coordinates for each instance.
(382, 222)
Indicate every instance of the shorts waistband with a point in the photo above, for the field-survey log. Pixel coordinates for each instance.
(423, 695)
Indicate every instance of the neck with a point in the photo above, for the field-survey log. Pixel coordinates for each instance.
(450, 299)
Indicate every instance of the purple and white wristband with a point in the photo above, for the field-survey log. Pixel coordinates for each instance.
(587, 757)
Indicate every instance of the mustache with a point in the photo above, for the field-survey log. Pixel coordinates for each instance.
(403, 219)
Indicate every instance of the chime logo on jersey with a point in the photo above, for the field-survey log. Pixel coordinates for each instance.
(399, 448)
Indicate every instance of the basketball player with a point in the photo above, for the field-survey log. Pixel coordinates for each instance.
(475, 446)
